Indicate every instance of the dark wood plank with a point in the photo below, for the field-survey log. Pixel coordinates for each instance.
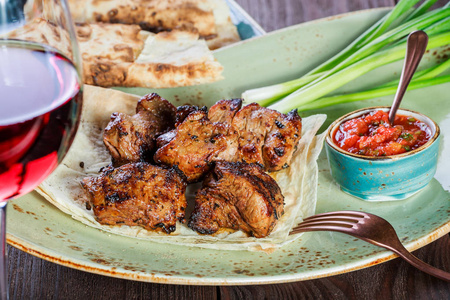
(33, 278)
(272, 15)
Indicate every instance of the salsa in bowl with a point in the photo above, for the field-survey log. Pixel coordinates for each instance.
(374, 161)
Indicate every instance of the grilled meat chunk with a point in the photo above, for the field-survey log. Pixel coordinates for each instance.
(165, 138)
(252, 123)
(267, 137)
(224, 110)
(197, 142)
(251, 134)
(281, 141)
(184, 111)
(133, 138)
(138, 194)
(237, 196)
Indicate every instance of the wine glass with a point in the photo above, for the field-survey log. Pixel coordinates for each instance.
(40, 98)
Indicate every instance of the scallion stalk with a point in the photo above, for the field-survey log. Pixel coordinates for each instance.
(373, 93)
(382, 43)
(424, 74)
(269, 94)
(373, 32)
(323, 86)
(425, 6)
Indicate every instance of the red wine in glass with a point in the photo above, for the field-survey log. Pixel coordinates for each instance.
(40, 100)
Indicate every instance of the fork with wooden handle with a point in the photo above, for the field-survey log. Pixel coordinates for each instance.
(370, 228)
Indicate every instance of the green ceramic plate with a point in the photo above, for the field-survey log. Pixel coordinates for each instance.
(38, 228)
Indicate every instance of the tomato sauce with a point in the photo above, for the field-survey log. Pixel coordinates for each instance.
(372, 135)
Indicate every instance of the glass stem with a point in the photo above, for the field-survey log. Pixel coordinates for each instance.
(4, 287)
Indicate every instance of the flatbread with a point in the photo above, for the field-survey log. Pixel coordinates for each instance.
(124, 55)
(209, 18)
(87, 155)
(115, 42)
(44, 32)
(154, 15)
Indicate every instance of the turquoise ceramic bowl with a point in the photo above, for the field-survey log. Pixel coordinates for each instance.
(384, 178)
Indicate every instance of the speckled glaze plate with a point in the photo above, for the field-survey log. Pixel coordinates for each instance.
(38, 228)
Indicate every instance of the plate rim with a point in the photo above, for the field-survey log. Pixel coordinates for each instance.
(379, 258)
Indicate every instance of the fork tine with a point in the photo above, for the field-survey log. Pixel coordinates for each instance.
(328, 223)
(348, 213)
(331, 218)
(321, 227)
(341, 221)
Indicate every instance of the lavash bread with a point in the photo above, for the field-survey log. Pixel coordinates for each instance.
(209, 18)
(124, 55)
(152, 15)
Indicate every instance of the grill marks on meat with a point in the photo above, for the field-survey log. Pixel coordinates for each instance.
(133, 138)
(182, 113)
(252, 134)
(281, 141)
(238, 196)
(237, 143)
(224, 110)
(138, 194)
(196, 143)
(253, 122)
(267, 137)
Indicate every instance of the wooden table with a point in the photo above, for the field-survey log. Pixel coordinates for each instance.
(34, 278)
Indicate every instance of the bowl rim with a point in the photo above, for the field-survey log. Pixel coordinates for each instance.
(361, 111)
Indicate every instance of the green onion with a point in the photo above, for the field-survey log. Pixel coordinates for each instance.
(423, 74)
(379, 45)
(421, 9)
(372, 93)
(323, 86)
(406, 136)
(266, 95)
(372, 33)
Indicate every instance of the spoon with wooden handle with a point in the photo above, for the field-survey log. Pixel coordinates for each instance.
(415, 48)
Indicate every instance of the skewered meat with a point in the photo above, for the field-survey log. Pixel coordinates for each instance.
(196, 143)
(237, 196)
(267, 137)
(138, 194)
(253, 123)
(182, 113)
(165, 138)
(133, 138)
(251, 134)
(224, 110)
(238, 143)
